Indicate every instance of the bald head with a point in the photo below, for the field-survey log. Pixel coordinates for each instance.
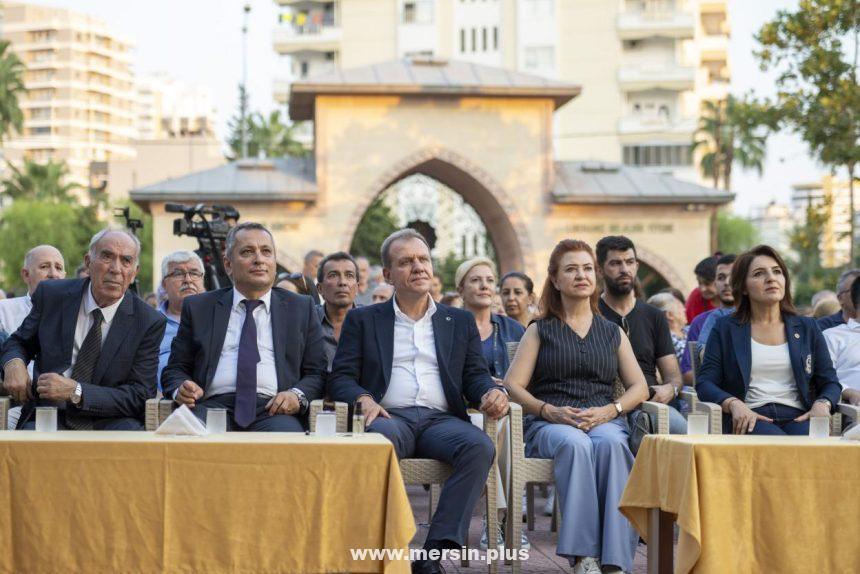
(40, 263)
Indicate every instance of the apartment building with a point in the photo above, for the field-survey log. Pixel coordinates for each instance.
(167, 108)
(832, 194)
(79, 104)
(645, 65)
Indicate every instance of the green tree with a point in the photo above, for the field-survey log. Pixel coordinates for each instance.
(39, 182)
(376, 224)
(735, 234)
(808, 275)
(271, 136)
(447, 269)
(815, 52)
(732, 132)
(26, 223)
(11, 86)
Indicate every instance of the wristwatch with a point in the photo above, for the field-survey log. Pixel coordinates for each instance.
(303, 400)
(77, 395)
(618, 408)
(829, 404)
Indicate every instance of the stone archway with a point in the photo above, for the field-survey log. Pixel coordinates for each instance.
(660, 266)
(505, 228)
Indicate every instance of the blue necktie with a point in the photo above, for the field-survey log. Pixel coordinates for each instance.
(245, 409)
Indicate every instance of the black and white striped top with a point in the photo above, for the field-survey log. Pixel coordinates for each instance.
(572, 371)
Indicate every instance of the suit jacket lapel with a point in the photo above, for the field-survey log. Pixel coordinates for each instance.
(792, 335)
(383, 322)
(443, 334)
(71, 307)
(742, 342)
(220, 319)
(280, 312)
(120, 327)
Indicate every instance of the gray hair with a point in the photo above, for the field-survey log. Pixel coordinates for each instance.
(28, 258)
(846, 275)
(108, 230)
(246, 226)
(400, 235)
(664, 301)
(181, 256)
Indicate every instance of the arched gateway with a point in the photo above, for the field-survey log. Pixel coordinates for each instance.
(484, 132)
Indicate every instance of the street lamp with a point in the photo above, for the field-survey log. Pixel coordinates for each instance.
(243, 92)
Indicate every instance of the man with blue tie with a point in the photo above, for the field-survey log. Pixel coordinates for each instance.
(250, 349)
(410, 362)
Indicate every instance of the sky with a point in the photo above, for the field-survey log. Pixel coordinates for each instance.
(200, 42)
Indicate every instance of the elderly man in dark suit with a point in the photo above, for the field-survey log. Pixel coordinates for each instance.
(409, 362)
(94, 344)
(250, 349)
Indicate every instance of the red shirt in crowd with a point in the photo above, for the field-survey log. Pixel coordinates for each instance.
(696, 305)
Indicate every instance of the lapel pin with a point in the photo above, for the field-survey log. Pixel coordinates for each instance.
(808, 364)
(797, 335)
(447, 318)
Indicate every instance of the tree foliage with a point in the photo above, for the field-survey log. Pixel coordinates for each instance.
(11, 86)
(27, 223)
(733, 131)
(39, 182)
(814, 50)
(376, 224)
(270, 136)
(735, 234)
(808, 275)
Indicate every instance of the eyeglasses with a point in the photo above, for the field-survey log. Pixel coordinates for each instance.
(180, 274)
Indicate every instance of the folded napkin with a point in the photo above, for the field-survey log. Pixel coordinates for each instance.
(853, 433)
(182, 422)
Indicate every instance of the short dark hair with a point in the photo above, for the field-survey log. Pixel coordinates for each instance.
(743, 307)
(855, 294)
(312, 253)
(336, 256)
(727, 259)
(706, 269)
(613, 243)
(245, 226)
(530, 285)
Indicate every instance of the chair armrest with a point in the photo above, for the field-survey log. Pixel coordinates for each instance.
(341, 411)
(5, 404)
(690, 396)
(660, 412)
(157, 410)
(715, 412)
(850, 411)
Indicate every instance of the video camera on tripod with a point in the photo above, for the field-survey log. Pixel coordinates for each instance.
(211, 235)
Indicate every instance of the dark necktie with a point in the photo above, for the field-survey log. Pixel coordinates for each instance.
(85, 365)
(245, 409)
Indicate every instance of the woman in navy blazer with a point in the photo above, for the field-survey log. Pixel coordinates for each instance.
(767, 367)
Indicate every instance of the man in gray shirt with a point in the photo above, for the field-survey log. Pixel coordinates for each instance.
(337, 282)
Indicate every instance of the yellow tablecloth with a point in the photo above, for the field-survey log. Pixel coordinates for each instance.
(747, 504)
(100, 502)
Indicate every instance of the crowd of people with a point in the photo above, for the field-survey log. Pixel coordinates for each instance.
(589, 352)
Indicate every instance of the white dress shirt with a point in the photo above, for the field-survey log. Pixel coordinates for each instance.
(771, 377)
(415, 379)
(13, 312)
(85, 321)
(224, 380)
(843, 342)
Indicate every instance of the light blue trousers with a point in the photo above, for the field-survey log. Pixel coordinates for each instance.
(591, 470)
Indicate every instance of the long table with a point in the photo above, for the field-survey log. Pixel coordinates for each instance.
(78, 501)
(747, 504)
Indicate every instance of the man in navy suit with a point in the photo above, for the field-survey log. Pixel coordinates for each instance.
(250, 349)
(95, 345)
(410, 362)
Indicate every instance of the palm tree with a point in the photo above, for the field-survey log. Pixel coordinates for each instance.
(274, 137)
(11, 85)
(731, 131)
(39, 182)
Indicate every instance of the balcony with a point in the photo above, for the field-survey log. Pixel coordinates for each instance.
(321, 36)
(713, 46)
(655, 124)
(649, 23)
(649, 76)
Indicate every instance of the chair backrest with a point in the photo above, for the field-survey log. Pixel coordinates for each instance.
(695, 358)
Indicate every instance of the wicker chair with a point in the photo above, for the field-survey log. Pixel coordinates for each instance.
(836, 419)
(715, 415)
(433, 472)
(5, 404)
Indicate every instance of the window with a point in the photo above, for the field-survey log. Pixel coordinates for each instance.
(43, 131)
(659, 155)
(304, 69)
(474, 39)
(540, 58)
(418, 12)
(462, 40)
(495, 37)
(538, 9)
(40, 114)
(484, 38)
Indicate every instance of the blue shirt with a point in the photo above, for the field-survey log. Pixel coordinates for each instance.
(494, 348)
(692, 337)
(709, 324)
(170, 331)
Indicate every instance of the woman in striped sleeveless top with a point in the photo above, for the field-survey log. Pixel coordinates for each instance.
(563, 375)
